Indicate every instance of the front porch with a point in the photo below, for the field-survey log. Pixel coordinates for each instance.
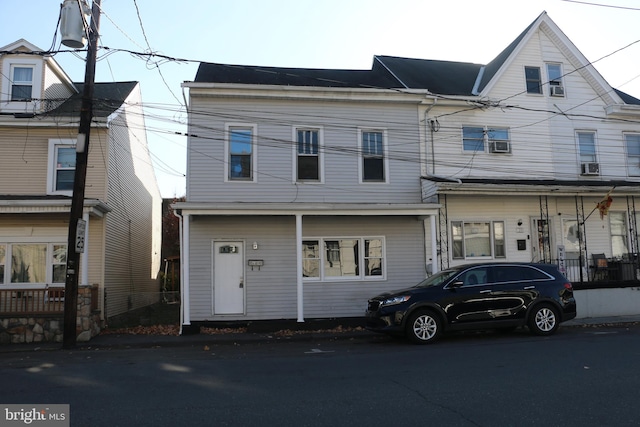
(36, 315)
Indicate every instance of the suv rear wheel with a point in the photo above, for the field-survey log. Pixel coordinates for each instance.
(544, 320)
(423, 327)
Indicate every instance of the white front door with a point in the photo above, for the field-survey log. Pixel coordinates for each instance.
(228, 278)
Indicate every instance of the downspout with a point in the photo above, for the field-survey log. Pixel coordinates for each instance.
(185, 315)
(430, 131)
(300, 286)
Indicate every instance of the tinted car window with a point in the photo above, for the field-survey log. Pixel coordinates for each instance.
(474, 276)
(514, 273)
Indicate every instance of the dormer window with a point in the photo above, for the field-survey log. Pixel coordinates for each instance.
(21, 83)
(21, 87)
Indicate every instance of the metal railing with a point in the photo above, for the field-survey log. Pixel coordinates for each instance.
(614, 270)
(31, 301)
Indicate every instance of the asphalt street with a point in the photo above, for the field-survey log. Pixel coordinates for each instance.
(585, 375)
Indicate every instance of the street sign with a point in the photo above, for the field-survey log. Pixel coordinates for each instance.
(80, 231)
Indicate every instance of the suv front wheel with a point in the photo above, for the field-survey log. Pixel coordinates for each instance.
(544, 320)
(423, 327)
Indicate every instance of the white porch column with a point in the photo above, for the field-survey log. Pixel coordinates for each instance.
(300, 286)
(185, 308)
(84, 256)
(434, 245)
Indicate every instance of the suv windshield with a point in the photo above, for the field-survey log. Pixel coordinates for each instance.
(437, 278)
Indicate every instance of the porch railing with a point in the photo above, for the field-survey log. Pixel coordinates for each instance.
(31, 301)
(614, 270)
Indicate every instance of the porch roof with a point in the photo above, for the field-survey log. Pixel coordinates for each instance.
(26, 204)
(311, 209)
(432, 186)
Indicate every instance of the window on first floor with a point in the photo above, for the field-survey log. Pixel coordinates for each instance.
(33, 263)
(342, 258)
(478, 239)
(619, 234)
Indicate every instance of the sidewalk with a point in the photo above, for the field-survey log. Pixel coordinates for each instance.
(124, 341)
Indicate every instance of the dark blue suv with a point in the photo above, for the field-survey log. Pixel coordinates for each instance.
(476, 296)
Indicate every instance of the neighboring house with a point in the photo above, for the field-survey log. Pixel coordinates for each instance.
(309, 190)
(521, 153)
(39, 116)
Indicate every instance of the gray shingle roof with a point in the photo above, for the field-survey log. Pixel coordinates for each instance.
(108, 97)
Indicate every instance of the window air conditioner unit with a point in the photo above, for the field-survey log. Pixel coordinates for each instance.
(557, 91)
(500, 147)
(590, 169)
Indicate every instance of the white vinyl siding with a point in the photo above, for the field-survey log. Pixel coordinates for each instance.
(271, 291)
(277, 151)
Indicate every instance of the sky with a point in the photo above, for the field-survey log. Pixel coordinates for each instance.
(343, 34)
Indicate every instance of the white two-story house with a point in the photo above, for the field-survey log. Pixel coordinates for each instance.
(39, 117)
(310, 190)
(534, 157)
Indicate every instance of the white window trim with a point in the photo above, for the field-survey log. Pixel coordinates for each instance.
(492, 240)
(361, 277)
(51, 174)
(595, 146)
(50, 242)
(562, 83)
(294, 138)
(385, 160)
(628, 157)
(526, 91)
(6, 104)
(254, 152)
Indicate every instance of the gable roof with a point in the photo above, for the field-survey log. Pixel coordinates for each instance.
(390, 72)
(377, 77)
(108, 97)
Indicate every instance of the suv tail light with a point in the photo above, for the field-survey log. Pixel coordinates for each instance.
(568, 286)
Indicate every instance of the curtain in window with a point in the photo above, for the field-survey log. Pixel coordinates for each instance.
(28, 263)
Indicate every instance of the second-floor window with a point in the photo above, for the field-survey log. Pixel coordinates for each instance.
(587, 147)
(533, 79)
(21, 83)
(308, 162)
(472, 138)
(3, 255)
(632, 142)
(373, 158)
(240, 153)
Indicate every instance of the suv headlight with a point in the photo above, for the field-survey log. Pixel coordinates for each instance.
(395, 300)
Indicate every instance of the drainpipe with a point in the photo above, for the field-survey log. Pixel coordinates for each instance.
(430, 132)
(185, 312)
(300, 286)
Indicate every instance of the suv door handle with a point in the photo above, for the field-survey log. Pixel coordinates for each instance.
(488, 291)
(526, 288)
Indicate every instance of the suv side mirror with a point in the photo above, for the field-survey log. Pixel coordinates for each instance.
(456, 284)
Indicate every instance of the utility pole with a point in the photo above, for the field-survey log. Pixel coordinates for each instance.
(75, 243)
